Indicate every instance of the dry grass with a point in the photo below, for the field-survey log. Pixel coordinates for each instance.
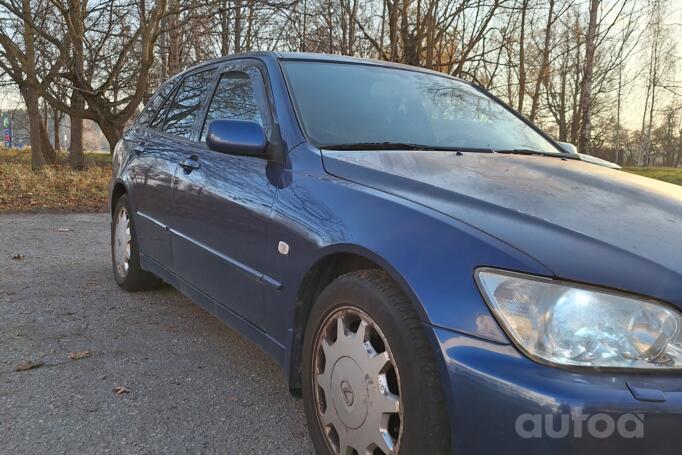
(53, 188)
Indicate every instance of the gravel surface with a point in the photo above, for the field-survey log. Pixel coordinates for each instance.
(194, 385)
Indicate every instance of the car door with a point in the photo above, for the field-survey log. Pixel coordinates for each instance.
(167, 142)
(151, 173)
(222, 206)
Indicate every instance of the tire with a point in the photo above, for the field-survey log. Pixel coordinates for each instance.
(359, 316)
(126, 261)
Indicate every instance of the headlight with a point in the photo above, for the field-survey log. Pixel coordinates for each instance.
(563, 323)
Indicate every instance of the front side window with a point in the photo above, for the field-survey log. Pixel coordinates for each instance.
(185, 106)
(234, 99)
(352, 104)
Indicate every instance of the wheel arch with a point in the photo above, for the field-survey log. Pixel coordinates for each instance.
(334, 262)
(118, 189)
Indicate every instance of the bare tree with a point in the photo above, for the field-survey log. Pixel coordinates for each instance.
(586, 82)
(18, 59)
(569, 65)
(113, 74)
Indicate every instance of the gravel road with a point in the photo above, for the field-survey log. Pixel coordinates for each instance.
(195, 386)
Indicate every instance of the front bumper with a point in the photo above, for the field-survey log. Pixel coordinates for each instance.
(501, 402)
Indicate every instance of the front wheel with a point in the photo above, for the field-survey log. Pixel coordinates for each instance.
(125, 256)
(370, 384)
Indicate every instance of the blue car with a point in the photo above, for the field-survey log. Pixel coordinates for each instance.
(433, 272)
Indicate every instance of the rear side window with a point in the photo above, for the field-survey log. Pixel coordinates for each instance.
(155, 103)
(157, 123)
(182, 112)
(234, 99)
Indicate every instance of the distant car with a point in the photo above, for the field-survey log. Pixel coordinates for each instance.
(433, 272)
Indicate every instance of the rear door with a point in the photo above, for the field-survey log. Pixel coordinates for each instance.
(151, 172)
(168, 143)
(222, 207)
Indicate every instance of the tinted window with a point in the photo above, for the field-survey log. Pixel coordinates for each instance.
(341, 104)
(186, 104)
(234, 99)
(155, 102)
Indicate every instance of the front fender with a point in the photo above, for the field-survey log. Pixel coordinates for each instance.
(432, 256)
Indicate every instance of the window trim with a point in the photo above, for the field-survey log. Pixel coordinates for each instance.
(219, 69)
(298, 117)
(171, 99)
(264, 101)
(170, 82)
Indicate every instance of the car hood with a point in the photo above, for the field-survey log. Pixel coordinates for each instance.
(583, 222)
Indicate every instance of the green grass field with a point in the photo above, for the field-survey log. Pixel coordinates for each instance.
(667, 174)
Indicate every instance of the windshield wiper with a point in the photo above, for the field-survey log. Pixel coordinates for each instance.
(422, 147)
(376, 146)
(527, 151)
(401, 146)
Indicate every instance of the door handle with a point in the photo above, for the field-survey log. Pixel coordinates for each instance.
(190, 164)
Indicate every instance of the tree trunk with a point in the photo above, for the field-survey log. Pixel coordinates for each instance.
(249, 26)
(304, 25)
(237, 26)
(45, 114)
(393, 28)
(408, 56)
(543, 76)
(330, 28)
(650, 126)
(31, 99)
(163, 52)
(586, 85)
(76, 156)
(522, 56)
(46, 148)
(619, 99)
(431, 34)
(174, 38)
(575, 91)
(57, 119)
(112, 132)
(29, 90)
(654, 76)
(225, 27)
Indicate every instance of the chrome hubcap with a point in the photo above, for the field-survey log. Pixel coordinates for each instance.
(122, 240)
(357, 386)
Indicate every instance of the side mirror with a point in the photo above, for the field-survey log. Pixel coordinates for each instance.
(568, 147)
(598, 161)
(237, 137)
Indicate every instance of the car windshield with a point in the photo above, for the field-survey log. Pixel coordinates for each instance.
(364, 106)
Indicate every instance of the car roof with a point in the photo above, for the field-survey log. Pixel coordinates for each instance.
(312, 56)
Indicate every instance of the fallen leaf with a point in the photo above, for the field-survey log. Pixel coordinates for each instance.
(29, 365)
(18, 257)
(79, 355)
(120, 390)
(63, 230)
